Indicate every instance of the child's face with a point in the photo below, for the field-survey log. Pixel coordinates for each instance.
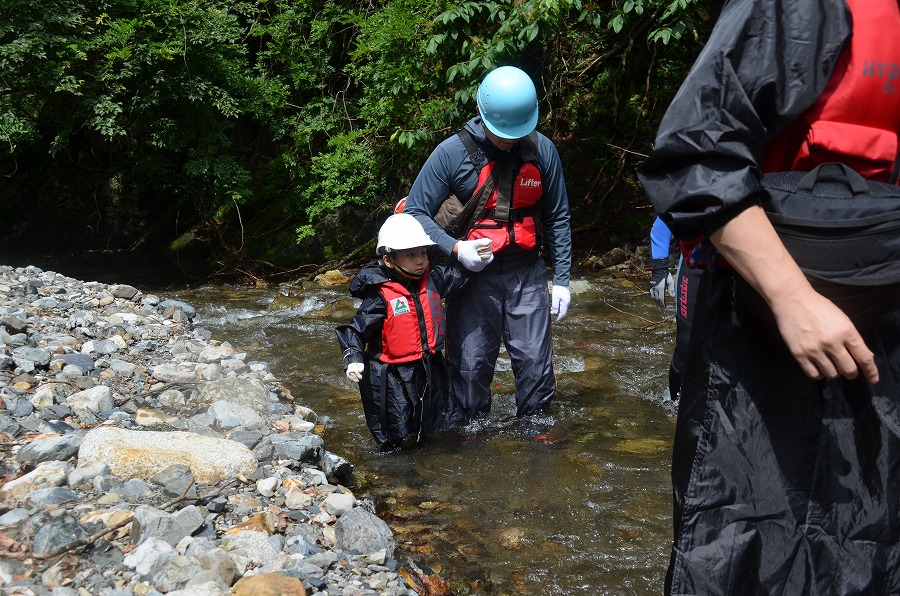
(412, 262)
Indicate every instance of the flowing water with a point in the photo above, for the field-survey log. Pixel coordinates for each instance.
(490, 510)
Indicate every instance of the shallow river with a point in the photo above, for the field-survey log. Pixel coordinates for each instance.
(488, 509)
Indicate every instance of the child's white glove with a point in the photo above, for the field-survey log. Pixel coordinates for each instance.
(472, 253)
(354, 371)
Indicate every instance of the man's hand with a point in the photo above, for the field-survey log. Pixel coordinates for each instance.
(821, 338)
(472, 253)
(661, 281)
(559, 301)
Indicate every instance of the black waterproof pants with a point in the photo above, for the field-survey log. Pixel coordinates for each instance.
(687, 282)
(508, 302)
(782, 484)
(406, 400)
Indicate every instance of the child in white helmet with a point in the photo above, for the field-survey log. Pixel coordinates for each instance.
(393, 347)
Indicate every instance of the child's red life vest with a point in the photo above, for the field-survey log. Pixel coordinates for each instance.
(414, 325)
(857, 118)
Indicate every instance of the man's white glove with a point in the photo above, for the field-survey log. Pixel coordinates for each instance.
(559, 301)
(473, 259)
(354, 371)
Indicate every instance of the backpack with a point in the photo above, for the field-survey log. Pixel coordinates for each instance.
(842, 230)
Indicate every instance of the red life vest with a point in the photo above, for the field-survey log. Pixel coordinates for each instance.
(521, 227)
(414, 325)
(511, 213)
(856, 120)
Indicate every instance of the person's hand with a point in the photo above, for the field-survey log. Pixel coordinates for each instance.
(472, 253)
(822, 338)
(559, 301)
(354, 371)
(661, 281)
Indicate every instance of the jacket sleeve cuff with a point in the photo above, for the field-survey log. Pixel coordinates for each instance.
(352, 356)
(714, 222)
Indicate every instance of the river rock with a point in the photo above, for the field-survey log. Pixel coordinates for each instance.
(51, 448)
(268, 584)
(338, 504)
(58, 532)
(83, 365)
(46, 475)
(251, 393)
(255, 545)
(229, 415)
(364, 532)
(94, 400)
(149, 556)
(141, 454)
(86, 473)
(149, 523)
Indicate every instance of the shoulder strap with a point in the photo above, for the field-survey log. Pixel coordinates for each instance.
(528, 148)
(475, 152)
(474, 207)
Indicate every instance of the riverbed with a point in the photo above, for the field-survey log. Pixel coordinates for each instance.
(587, 511)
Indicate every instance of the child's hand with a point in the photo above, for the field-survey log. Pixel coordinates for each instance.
(354, 371)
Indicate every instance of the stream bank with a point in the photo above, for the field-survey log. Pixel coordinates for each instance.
(141, 456)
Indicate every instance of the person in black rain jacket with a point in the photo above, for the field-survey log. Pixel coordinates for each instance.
(786, 474)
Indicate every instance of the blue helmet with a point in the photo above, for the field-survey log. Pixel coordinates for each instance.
(507, 102)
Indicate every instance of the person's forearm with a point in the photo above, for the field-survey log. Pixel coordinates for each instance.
(753, 248)
(822, 339)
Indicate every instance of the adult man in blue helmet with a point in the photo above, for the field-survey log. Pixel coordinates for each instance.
(527, 209)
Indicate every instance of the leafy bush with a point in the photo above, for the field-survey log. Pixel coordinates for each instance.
(252, 122)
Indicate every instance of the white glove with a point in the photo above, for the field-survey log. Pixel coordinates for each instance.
(559, 301)
(354, 371)
(468, 254)
(661, 288)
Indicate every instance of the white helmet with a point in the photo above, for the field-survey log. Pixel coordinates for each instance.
(401, 231)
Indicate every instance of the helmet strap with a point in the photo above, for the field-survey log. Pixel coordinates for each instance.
(392, 264)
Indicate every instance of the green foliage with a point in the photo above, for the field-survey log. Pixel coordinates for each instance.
(215, 111)
(347, 173)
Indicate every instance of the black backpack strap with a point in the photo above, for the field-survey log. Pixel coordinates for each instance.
(475, 152)
(528, 148)
(505, 170)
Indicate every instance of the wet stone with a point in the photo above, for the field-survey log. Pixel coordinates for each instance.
(52, 448)
(82, 361)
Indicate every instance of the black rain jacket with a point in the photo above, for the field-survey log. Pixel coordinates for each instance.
(781, 484)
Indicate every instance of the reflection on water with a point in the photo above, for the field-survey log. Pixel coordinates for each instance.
(586, 511)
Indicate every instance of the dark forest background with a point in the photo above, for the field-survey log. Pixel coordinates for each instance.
(264, 135)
